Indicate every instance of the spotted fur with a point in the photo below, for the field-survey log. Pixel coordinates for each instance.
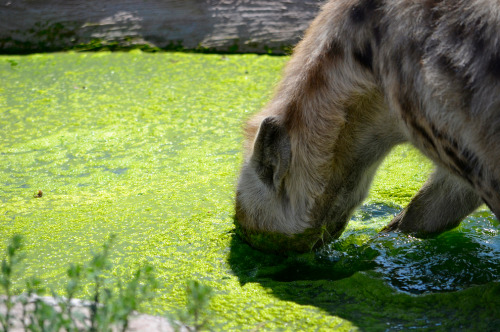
(368, 75)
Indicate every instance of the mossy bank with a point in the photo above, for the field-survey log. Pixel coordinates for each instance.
(147, 147)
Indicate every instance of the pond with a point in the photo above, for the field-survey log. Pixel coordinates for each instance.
(148, 146)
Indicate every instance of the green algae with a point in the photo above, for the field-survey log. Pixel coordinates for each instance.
(147, 147)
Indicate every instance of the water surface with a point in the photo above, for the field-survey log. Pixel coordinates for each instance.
(147, 147)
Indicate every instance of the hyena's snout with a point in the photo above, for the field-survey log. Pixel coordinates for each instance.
(260, 235)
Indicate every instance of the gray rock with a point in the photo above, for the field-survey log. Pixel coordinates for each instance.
(137, 322)
(219, 25)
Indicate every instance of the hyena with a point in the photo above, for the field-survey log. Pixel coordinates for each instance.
(368, 75)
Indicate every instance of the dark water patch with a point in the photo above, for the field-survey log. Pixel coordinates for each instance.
(83, 175)
(371, 211)
(119, 170)
(454, 260)
(450, 262)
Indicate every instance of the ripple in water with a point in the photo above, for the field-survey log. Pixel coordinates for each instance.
(454, 260)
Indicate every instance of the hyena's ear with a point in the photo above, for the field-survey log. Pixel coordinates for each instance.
(272, 152)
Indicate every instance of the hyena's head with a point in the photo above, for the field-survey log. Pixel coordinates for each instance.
(300, 182)
(267, 213)
(290, 197)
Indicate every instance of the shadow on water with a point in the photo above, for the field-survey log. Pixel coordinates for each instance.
(390, 281)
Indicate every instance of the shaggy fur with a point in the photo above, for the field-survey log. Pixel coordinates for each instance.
(370, 74)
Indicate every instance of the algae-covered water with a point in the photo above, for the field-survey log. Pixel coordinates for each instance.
(147, 147)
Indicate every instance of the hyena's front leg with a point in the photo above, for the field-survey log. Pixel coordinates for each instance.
(440, 205)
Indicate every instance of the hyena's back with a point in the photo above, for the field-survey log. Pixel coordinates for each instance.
(439, 65)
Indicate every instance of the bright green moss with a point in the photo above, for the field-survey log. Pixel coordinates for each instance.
(400, 176)
(147, 146)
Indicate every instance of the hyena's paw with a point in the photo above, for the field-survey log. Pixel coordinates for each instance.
(394, 224)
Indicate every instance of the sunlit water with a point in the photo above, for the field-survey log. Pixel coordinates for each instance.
(454, 260)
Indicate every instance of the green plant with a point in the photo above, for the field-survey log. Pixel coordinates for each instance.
(133, 293)
(195, 316)
(112, 304)
(33, 287)
(8, 264)
(74, 274)
(98, 264)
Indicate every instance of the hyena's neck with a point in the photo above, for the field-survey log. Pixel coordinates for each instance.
(368, 135)
(337, 120)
